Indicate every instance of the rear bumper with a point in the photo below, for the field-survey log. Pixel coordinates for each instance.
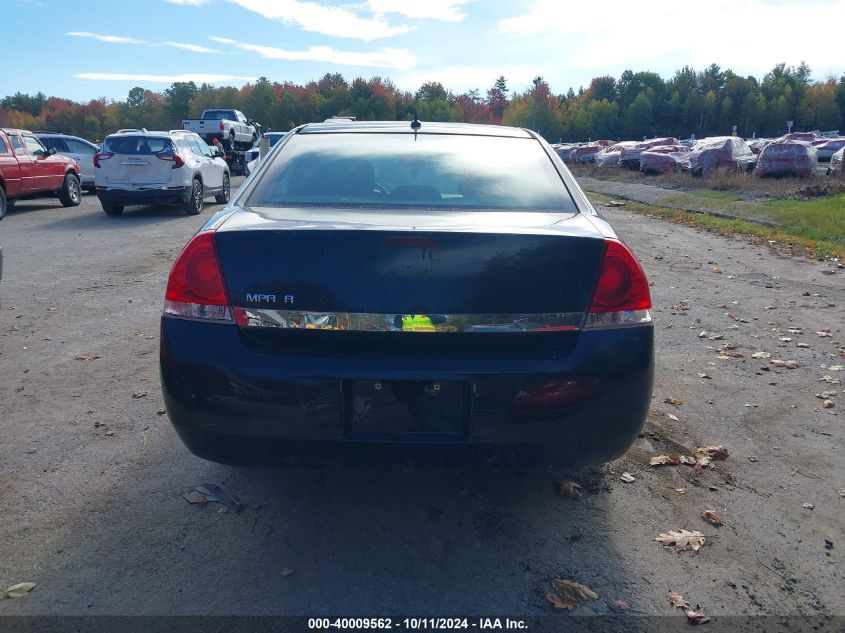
(233, 405)
(143, 196)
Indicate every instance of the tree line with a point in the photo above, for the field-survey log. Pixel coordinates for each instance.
(637, 104)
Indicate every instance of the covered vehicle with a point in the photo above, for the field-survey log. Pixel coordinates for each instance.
(787, 158)
(664, 159)
(825, 149)
(587, 153)
(609, 156)
(476, 312)
(720, 153)
(630, 156)
(836, 168)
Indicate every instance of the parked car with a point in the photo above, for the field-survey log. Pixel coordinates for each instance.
(251, 155)
(78, 148)
(720, 153)
(825, 149)
(787, 158)
(28, 169)
(630, 156)
(175, 167)
(412, 244)
(227, 126)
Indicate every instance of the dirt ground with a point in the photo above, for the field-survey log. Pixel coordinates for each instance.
(92, 473)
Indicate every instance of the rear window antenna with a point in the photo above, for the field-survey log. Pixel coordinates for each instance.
(415, 124)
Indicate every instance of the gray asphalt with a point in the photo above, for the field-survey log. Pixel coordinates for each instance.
(92, 478)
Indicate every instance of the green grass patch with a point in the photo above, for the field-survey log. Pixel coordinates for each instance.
(816, 227)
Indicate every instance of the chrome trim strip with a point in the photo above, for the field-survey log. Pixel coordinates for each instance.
(377, 322)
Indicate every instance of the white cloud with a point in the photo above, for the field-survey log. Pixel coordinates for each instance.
(620, 34)
(397, 58)
(443, 10)
(111, 39)
(165, 79)
(191, 47)
(318, 18)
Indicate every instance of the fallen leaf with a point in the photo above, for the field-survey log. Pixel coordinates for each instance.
(696, 616)
(575, 536)
(680, 491)
(712, 518)
(161, 411)
(842, 492)
(825, 395)
(665, 460)
(683, 539)
(627, 478)
(761, 355)
(828, 404)
(139, 394)
(20, 590)
(674, 401)
(575, 590)
(704, 454)
(717, 270)
(837, 368)
(673, 417)
(567, 488)
(18, 389)
(285, 572)
(677, 600)
(618, 606)
(789, 364)
(808, 506)
(824, 334)
(829, 380)
(87, 357)
(703, 375)
(559, 602)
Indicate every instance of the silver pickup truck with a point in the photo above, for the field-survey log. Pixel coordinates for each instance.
(230, 127)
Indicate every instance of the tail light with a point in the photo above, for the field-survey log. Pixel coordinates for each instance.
(222, 129)
(178, 161)
(195, 287)
(101, 156)
(621, 296)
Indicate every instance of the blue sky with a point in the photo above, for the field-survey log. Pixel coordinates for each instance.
(101, 48)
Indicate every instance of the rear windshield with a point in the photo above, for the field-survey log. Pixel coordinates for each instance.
(218, 115)
(138, 145)
(431, 171)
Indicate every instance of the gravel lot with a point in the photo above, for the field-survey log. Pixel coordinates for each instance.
(92, 478)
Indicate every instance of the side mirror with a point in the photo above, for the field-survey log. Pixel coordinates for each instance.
(51, 151)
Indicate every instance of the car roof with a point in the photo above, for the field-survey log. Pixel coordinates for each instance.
(159, 133)
(404, 127)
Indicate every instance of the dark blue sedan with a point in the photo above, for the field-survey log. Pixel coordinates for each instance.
(400, 296)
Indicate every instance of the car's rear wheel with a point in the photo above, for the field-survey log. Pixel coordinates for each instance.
(112, 208)
(193, 205)
(223, 196)
(70, 194)
(4, 205)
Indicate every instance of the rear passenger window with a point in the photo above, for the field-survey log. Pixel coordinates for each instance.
(4, 149)
(195, 148)
(78, 147)
(17, 145)
(56, 143)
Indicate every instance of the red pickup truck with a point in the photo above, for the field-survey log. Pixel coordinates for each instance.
(28, 168)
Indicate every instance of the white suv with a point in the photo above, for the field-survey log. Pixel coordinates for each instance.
(141, 167)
